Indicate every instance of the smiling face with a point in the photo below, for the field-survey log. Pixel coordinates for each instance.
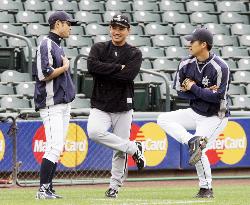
(119, 34)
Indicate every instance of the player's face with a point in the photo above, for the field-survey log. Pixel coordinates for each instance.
(64, 29)
(196, 47)
(119, 34)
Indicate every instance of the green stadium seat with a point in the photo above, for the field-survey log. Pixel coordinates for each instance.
(233, 17)
(165, 41)
(77, 30)
(36, 29)
(176, 52)
(114, 5)
(13, 76)
(216, 51)
(25, 89)
(10, 5)
(6, 90)
(244, 40)
(236, 90)
(16, 42)
(36, 5)
(87, 17)
(234, 52)
(167, 5)
(151, 52)
(241, 76)
(81, 65)
(157, 29)
(237, 6)
(231, 64)
(78, 41)
(80, 103)
(141, 96)
(240, 29)
(240, 102)
(7, 58)
(244, 63)
(200, 6)
(146, 17)
(183, 28)
(137, 40)
(174, 17)
(26, 53)
(136, 30)
(64, 5)
(29, 17)
(11, 28)
(224, 40)
(70, 52)
(146, 64)
(90, 5)
(85, 50)
(202, 18)
(101, 38)
(217, 28)
(6, 17)
(165, 64)
(248, 89)
(11, 103)
(96, 29)
(141, 5)
(3, 42)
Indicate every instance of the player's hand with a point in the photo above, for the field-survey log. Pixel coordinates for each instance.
(65, 63)
(187, 84)
(213, 87)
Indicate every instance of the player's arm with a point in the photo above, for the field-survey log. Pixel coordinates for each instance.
(214, 96)
(95, 66)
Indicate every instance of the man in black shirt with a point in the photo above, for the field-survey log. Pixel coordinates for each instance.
(114, 65)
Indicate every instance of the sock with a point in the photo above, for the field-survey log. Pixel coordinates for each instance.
(52, 176)
(45, 171)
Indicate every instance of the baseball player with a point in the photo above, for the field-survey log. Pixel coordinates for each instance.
(54, 90)
(114, 65)
(203, 79)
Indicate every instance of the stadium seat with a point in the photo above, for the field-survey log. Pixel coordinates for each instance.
(225, 40)
(85, 50)
(176, 52)
(245, 40)
(78, 41)
(174, 17)
(217, 28)
(11, 28)
(237, 6)
(70, 52)
(240, 102)
(248, 89)
(230, 51)
(87, 17)
(81, 65)
(240, 29)
(200, 6)
(6, 90)
(236, 90)
(141, 96)
(114, 5)
(90, 5)
(233, 17)
(165, 64)
(231, 63)
(101, 38)
(26, 53)
(141, 5)
(137, 40)
(16, 42)
(146, 64)
(96, 29)
(146, 17)
(36, 5)
(151, 52)
(13, 76)
(6, 17)
(167, 5)
(77, 30)
(36, 29)
(242, 76)
(25, 89)
(165, 41)
(183, 29)
(136, 30)
(29, 17)
(156, 29)
(80, 103)
(14, 104)
(64, 5)
(3, 42)
(10, 5)
(244, 63)
(202, 18)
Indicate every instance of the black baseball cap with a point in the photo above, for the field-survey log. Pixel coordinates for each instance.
(201, 34)
(121, 20)
(61, 16)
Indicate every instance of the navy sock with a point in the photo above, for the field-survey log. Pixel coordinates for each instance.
(52, 175)
(46, 171)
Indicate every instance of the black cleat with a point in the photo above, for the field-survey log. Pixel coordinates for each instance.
(138, 157)
(111, 193)
(196, 145)
(205, 193)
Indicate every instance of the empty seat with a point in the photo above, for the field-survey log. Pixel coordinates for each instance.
(10, 5)
(230, 51)
(176, 52)
(199, 6)
(3, 42)
(237, 6)
(137, 40)
(64, 5)
(151, 52)
(136, 30)
(231, 63)
(96, 29)
(85, 50)
(241, 102)
(165, 64)
(101, 38)
(146, 64)
(244, 40)
(81, 65)
(16, 42)
(236, 90)
(80, 103)
(174, 17)
(11, 28)
(248, 89)
(87, 17)
(6, 17)
(217, 28)
(70, 52)
(146, 16)
(25, 89)
(156, 28)
(233, 17)
(165, 41)
(224, 40)
(36, 29)
(114, 5)
(241, 76)
(141, 5)
(36, 5)
(166, 5)
(78, 41)
(14, 104)
(90, 5)
(240, 29)
(7, 90)
(29, 17)
(77, 30)
(13, 76)
(183, 28)
(202, 18)
(244, 63)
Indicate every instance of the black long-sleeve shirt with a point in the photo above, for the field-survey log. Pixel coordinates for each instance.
(113, 89)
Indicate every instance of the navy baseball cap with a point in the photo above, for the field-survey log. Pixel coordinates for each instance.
(200, 34)
(121, 20)
(61, 16)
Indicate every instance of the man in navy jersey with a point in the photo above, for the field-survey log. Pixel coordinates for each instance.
(54, 90)
(203, 79)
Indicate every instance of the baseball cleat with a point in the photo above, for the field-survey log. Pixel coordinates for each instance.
(44, 193)
(205, 193)
(196, 145)
(138, 157)
(111, 193)
(54, 194)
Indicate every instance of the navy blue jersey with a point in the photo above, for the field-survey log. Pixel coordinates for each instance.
(58, 90)
(202, 100)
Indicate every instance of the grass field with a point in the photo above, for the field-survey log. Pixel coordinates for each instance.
(80, 195)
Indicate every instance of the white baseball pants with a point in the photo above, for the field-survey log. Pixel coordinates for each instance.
(176, 123)
(56, 122)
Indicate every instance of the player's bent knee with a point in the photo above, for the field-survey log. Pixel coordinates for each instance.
(94, 133)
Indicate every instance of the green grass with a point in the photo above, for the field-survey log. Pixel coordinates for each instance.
(225, 195)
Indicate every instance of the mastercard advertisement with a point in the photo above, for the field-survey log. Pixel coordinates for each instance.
(230, 149)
